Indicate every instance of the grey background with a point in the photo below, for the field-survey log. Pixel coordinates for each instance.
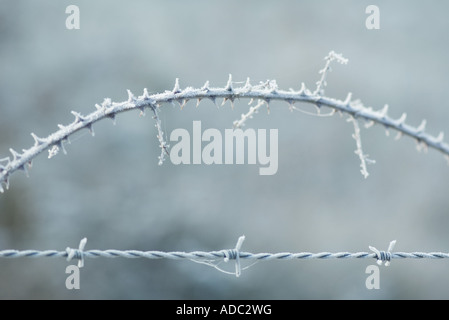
(110, 189)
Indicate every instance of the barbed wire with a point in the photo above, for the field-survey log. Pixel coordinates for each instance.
(264, 92)
(213, 258)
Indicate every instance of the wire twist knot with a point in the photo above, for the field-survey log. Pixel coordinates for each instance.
(230, 254)
(384, 256)
(77, 253)
(234, 254)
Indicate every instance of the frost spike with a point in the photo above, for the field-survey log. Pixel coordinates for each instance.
(422, 126)
(131, 97)
(91, 130)
(247, 87)
(60, 145)
(106, 103)
(303, 89)
(112, 116)
(146, 95)
(401, 120)
(37, 141)
(98, 107)
(273, 86)
(229, 83)
(24, 169)
(6, 181)
(440, 137)
(78, 117)
(176, 89)
(183, 103)
(348, 99)
(384, 111)
(224, 101)
(198, 102)
(15, 154)
(205, 87)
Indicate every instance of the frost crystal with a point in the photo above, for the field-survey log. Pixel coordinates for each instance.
(53, 151)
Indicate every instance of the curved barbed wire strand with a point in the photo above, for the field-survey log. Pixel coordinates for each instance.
(212, 258)
(265, 91)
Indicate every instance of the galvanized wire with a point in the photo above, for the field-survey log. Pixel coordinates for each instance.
(221, 255)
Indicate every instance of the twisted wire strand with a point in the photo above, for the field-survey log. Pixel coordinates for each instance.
(214, 258)
(226, 254)
(216, 255)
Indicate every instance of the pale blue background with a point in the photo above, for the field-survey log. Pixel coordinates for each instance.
(110, 189)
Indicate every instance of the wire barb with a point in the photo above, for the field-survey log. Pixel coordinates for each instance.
(383, 256)
(77, 253)
(234, 254)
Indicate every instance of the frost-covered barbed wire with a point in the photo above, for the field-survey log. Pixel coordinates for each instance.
(265, 91)
(214, 258)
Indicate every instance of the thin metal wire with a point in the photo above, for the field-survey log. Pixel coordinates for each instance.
(218, 256)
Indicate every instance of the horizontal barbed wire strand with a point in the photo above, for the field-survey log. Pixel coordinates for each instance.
(214, 255)
(224, 255)
(219, 256)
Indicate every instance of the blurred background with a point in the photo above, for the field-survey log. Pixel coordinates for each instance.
(110, 189)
